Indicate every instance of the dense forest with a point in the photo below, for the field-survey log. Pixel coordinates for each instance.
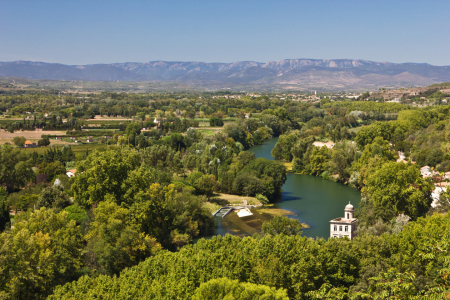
(124, 226)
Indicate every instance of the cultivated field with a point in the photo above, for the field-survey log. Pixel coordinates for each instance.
(34, 136)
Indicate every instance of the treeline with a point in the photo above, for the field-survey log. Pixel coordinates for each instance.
(156, 105)
(369, 106)
(53, 123)
(130, 105)
(410, 263)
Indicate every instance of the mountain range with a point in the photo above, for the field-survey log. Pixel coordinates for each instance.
(288, 74)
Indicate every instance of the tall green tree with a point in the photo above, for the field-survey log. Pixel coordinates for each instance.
(53, 197)
(319, 160)
(15, 168)
(19, 141)
(397, 188)
(4, 210)
(114, 243)
(133, 129)
(166, 214)
(285, 144)
(117, 173)
(43, 250)
(206, 185)
(282, 225)
(51, 169)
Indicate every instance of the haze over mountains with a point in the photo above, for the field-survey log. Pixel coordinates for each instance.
(297, 74)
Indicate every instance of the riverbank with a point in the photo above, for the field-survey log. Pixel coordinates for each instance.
(309, 199)
(270, 210)
(220, 200)
(312, 199)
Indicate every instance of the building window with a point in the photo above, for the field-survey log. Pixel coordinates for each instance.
(340, 228)
(346, 228)
(348, 216)
(335, 227)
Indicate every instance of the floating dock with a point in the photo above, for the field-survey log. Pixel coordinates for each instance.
(241, 211)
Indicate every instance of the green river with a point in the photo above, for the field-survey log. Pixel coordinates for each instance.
(312, 200)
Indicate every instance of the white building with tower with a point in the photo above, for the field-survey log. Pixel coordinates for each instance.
(346, 226)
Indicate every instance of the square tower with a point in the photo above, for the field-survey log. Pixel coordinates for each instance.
(346, 226)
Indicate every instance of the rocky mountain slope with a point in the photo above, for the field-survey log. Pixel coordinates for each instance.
(284, 74)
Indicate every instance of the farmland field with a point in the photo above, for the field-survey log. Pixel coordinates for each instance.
(6, 137)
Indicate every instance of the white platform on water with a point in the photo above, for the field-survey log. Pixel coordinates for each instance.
(245, 212)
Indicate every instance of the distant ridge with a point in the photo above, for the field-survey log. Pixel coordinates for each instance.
(286, 74)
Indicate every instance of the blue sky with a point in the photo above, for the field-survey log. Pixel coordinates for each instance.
(86, 32)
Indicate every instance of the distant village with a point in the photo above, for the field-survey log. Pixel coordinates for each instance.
(415, 96)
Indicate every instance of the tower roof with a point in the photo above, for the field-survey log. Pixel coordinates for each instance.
(349, 206)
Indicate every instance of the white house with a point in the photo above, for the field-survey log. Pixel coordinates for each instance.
(328, 144)
(435, 195)
(426, 171)
(346, 226)
(401, 157)
(71, 172)
(156, 121)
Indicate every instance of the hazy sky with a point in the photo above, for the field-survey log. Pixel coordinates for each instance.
(86, 32)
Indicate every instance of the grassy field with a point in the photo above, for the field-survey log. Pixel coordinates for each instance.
(220, 200)
(275, 211)
(209, 131)
(288, 166)
(355, 129)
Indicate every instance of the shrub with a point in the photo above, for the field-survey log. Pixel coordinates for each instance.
(263, 199)
(19, 141)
